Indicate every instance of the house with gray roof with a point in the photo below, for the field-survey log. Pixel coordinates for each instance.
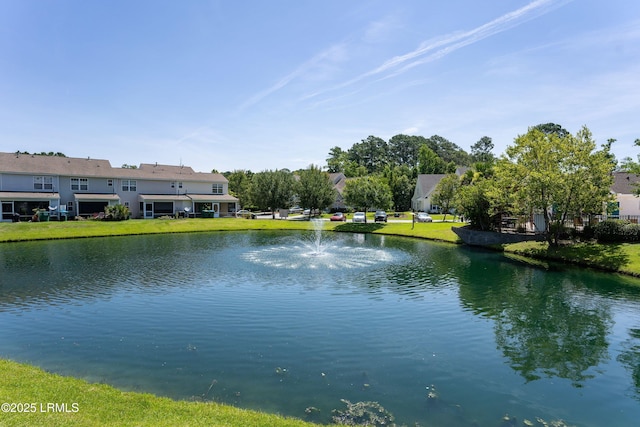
(83, 187)
(423, 192)
(624, 187)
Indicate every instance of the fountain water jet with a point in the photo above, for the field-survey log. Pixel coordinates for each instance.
(315, 251)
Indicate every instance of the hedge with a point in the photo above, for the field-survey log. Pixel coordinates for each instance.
(616, 231)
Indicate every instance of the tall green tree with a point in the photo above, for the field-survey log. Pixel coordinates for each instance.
(372, 153)
(429, 162)
(367, 192)
(556, 175)
(448, 151)
(481, 151)
(403, 150)
(336, 162)
(272, 190)
(552, 129)
(473, 201)
(315, 189)
(445, 193)
(402, 184)
(240, 185)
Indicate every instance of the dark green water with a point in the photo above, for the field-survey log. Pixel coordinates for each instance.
(259, 321)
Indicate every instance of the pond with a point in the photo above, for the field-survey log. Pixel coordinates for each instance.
(437, 334)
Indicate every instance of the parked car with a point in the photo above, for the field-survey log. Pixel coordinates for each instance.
(338, 216)
(423, 217)
(359, 217)
(380, 216)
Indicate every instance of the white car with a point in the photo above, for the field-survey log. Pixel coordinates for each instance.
(359, 217)
(423, 217)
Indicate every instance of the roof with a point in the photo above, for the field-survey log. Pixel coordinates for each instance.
(18, 195)
(625, 183)
(426, 183)
(189, 197)
(212, 198)
(339, 180)
(96, 196)
(160, 197)
(73, 166)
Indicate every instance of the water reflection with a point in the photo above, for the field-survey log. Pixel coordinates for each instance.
(170, 314)
(544, 323)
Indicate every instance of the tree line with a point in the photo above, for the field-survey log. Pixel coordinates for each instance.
(547, 171)
(382, 174)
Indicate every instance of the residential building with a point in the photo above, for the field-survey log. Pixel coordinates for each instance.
(83, 187)
(624, 187)
(339, 180)
(425, 186)
(422, 195)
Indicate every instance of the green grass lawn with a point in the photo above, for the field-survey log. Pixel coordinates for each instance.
(22, 231)
(103, 405)
(622, 258)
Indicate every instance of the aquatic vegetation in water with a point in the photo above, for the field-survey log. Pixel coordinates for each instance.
(509, 421)
(432, 395)
(363, 414)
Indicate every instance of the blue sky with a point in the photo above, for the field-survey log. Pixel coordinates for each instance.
(258, 85)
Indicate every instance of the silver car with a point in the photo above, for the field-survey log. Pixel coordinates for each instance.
(423, 217)
(359, 217)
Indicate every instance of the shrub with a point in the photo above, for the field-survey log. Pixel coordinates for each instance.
(615, 231)
(116, 212)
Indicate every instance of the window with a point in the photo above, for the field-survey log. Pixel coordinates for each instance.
(129, 185)
(43, 183)
(173, 184)
(79, 184)
(216, 189)
(70, 206)
(109, 183)
(179, 185)
(126, 204)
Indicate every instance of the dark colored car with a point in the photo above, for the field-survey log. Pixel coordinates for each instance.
(380, 216)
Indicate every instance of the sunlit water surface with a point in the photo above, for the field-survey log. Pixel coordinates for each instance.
(272, 321)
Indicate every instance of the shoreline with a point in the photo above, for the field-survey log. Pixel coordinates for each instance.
(613, 258)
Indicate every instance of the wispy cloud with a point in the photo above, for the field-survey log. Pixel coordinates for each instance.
(436, 48)
(332, 54)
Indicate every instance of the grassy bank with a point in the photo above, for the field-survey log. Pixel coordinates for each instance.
(84, 404)
(23, 231)
(621, 258)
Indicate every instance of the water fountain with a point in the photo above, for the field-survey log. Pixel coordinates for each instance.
(316, 250)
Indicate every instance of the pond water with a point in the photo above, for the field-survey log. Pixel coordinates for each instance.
(439, 335)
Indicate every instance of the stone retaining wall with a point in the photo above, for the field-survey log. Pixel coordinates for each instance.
(486, 238)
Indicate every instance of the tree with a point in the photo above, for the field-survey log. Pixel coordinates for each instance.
(429, 162)
(315, 189)
(403, 150)
(336, 162)
(552, 129)
(481, 151)
(367, 192)
(43, 153)
(473, 201)
(372, 153)
(556, 174)
(272, 189)
(402, 184)
(240, 185)
(445, 193)
(448, 151)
